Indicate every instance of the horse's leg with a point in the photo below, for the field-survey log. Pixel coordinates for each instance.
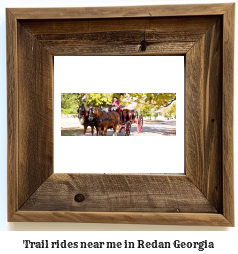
(92, 127)
(85, 128)
(101, 131)
(115, 130)
(98, 131)
(105, 130)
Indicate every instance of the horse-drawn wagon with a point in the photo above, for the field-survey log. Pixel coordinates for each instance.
(128, 118)
(116, 119)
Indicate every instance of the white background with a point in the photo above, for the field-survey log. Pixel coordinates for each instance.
(108, 74)
(225, 241)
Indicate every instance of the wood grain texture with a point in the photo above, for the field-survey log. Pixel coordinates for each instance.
(12, 114)
(173, 36)
(203, 121)
(115, 49)
(120, 11)
(35, 114)
(114, 193)
(198, 219)
(227, 113)
(189, 26)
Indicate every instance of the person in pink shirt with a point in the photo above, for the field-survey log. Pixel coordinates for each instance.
(115, 102)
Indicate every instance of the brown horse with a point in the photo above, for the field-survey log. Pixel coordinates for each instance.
(125, 114)
(83, 118)
(104, 120)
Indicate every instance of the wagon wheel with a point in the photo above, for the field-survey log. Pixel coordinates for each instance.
(140, 124)
(128, 128)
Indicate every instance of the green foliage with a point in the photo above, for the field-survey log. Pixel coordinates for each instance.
(169, 111)
(147, 103)
(155, 100)
(69, 103)
(99, 99)
(173, 109)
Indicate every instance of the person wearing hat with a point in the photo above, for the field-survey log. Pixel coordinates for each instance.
(115, 102)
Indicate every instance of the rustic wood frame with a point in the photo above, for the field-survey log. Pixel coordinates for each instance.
(204, 34)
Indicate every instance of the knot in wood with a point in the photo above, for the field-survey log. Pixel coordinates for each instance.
(143, 45)
(79, 198)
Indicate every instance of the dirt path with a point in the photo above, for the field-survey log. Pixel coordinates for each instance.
(70, 127)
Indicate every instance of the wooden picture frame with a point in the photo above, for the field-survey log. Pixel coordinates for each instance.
(204, 34)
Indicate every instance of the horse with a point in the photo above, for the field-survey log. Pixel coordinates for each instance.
(83, 118)
(104, 119)
(125, 114)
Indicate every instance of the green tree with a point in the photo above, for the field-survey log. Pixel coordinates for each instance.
(98, 99)
(169, 111)
(145, 110)
(155, 100)
(173, 110)
(70, 101)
